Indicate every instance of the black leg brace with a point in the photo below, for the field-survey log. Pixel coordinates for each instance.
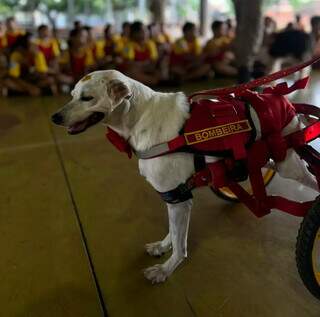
(183, 191)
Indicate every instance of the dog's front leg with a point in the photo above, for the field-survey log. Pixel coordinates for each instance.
(179, 216)
(160, 247)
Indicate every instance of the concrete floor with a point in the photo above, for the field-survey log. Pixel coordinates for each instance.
(75, 215)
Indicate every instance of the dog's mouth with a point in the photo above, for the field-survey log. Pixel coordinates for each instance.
(83, 125)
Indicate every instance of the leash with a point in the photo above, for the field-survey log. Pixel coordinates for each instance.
(255, 83)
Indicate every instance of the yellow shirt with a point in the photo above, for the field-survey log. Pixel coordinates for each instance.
(50, 48)
(162, 38)
(136, 52)
(108, 47)
(85, 54)
(3, 42)
(181, 46)
(216, 43)
(17, 61)
(123, 40)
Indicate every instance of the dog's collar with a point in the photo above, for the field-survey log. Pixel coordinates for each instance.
(119, 142)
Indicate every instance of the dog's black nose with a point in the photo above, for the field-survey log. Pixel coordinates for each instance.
(57, 118)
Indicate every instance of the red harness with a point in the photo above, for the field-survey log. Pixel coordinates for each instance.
(219, 123)
(222, 125)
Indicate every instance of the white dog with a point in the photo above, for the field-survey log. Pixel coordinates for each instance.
(146, 118)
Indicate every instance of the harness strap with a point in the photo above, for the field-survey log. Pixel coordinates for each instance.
(309, 133)
(183, 192)
(199, 161)
(163, 148)
(284, 89)
(178, 195)
(253, 84)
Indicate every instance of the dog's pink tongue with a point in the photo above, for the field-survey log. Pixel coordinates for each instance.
(77, 127)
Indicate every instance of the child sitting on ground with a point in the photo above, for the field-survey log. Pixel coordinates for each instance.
(49, 46)
(78, 60)
(125, 33)
(3, 60)
(28, 70)
(12, 32)
(218, 50)
(187, 61)
(109, 49)
(140, 56)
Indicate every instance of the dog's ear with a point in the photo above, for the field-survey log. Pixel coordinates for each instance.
(118, 91)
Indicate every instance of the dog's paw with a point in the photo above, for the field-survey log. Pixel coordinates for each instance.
(156, 274)
(157, 248)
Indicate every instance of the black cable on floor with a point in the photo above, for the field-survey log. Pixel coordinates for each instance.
(82, 233)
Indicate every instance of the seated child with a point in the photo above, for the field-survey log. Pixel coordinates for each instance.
(13, 32)
(3, 38)
(231, 29)
(91, 41)
(187, 61)
(161, 39)
(3, 60)
(108, 49)
(49, 46)
(218, 50)
(125, 34)
(163, 47)
(140, 56)
(28, 70)
(78, 60)
(164, 34)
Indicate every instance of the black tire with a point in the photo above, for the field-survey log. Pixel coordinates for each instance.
(232, 198)
(307, 237)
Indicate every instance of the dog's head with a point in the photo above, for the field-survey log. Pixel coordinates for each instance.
(94, 98)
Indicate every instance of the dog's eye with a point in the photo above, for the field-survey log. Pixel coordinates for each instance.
(86, 98)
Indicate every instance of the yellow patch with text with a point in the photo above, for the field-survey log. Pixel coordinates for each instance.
(217, 132)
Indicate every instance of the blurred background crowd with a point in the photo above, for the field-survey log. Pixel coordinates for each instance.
(43, 59)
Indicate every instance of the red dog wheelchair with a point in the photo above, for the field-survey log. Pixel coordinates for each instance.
(218, 121)
(252, 193)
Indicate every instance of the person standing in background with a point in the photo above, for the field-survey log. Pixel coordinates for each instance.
(298, 25)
